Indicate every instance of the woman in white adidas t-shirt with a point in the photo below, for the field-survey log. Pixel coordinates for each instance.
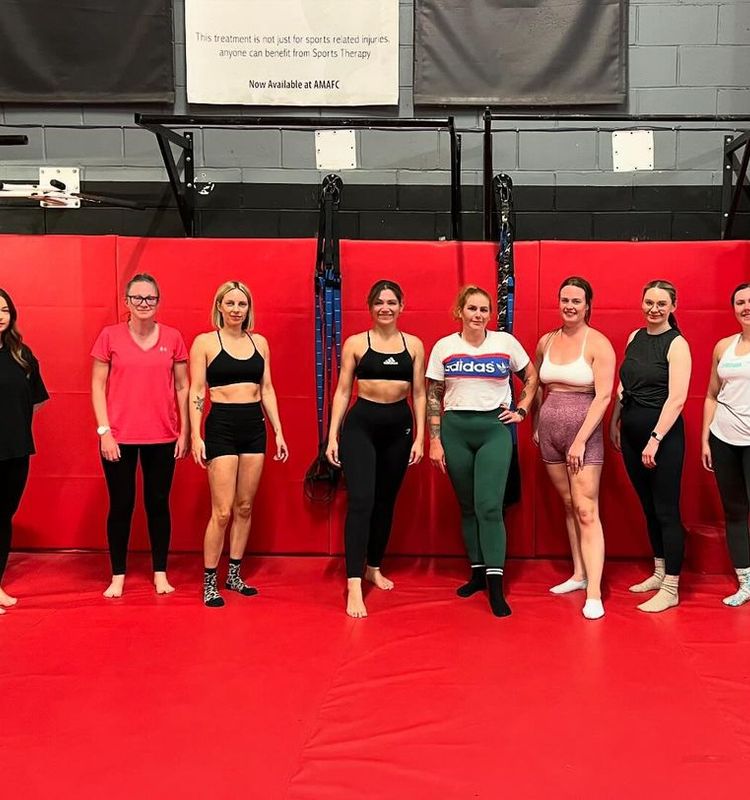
(468, 410)
(726, 438)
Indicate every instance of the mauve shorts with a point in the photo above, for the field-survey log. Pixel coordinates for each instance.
(560, 419)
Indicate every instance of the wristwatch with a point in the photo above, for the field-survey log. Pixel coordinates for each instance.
(102, 429)
(657, 436)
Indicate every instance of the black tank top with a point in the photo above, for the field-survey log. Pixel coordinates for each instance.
(375, 366)
(225, 370)
(645, 370)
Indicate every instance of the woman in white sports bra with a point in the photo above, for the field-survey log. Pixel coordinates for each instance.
(576, 371)
(726, 438)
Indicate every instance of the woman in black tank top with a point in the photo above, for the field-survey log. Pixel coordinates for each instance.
(379, 437)
(647, 427)
(235, 366)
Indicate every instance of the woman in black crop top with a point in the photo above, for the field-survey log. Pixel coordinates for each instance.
(235, 366)
(379, 437)
(647, 427)
(22, 391)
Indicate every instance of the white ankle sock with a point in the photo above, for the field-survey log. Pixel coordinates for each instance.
(569, 586)
(593, 609)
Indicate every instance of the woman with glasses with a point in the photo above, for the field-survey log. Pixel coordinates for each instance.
(139, 389)
(22, 391)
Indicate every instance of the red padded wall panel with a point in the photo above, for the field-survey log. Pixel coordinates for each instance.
(704, 274)
(64, 288)
(280, 276)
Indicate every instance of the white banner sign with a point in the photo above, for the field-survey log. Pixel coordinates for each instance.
(292, 52)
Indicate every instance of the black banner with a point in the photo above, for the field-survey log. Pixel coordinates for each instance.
(86, 51)
(520, 52)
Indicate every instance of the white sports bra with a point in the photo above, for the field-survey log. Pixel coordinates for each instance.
(576, 373)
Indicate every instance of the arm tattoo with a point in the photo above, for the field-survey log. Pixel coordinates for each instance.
(435, 394)
(199, 402)
(522, 375)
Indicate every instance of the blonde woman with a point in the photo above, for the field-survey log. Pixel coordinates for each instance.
(234, 364)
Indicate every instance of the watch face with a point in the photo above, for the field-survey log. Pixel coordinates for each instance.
(102, 429)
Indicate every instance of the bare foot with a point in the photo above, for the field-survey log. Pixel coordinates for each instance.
(161, 584)
(355, 605)
(374, 575)
(115, 588)
(6, 600)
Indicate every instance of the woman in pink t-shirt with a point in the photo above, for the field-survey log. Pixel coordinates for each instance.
(139, 389)
(235, 366)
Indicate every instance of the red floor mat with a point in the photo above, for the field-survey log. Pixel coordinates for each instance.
(283, 697)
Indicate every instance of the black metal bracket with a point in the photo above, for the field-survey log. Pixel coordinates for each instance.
(730, 194)
(185, 194)
(183, 188)
(597, 122)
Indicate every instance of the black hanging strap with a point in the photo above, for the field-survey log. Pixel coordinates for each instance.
(502, 186)
(321, 478)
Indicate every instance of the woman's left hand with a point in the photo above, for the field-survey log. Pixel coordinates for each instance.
(417, 452)
(575, 457)
(282, 452)
(508, 417)
(182, 445)
(648, 456)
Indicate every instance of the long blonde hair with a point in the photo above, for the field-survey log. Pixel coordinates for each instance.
(217, 320)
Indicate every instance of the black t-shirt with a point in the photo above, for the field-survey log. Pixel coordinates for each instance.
(644, 372)
(19, 393)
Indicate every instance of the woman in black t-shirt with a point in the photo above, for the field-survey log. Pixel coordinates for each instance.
(22, 390)
(647, 427)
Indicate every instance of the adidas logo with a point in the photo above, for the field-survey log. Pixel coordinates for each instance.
(391, 362)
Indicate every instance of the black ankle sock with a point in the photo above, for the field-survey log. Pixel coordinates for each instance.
(497, 599)
(476, 583)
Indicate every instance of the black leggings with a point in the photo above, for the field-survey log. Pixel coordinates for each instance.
(157, 464)
(731, 464)
(658, 489)
(376, 440)
(13, 475)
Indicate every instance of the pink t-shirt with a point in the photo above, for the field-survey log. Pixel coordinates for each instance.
(141, 403)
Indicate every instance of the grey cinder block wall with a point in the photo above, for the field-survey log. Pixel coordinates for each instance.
(686, 56)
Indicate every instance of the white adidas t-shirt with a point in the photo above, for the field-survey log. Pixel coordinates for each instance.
(476, 378)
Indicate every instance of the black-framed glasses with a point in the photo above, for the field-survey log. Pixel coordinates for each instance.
(140, 300)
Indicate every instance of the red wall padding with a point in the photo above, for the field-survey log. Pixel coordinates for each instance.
(67, 288)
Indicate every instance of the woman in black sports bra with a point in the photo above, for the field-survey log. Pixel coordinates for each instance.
(379, 438)
(234, 365)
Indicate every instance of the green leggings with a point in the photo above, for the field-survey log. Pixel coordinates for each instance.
(478, 449)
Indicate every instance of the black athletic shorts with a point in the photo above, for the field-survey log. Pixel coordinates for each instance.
(235, 428)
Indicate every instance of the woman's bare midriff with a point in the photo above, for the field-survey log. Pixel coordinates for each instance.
(383, 391)
(236, 393)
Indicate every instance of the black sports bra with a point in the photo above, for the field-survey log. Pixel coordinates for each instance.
(375, 366)
(225, 369)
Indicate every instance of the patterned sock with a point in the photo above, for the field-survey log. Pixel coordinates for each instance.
(211, 596)
(742, 595)
(665, 598)
(235, 582)
(652, 583)
(476, 583)
(499, 606)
